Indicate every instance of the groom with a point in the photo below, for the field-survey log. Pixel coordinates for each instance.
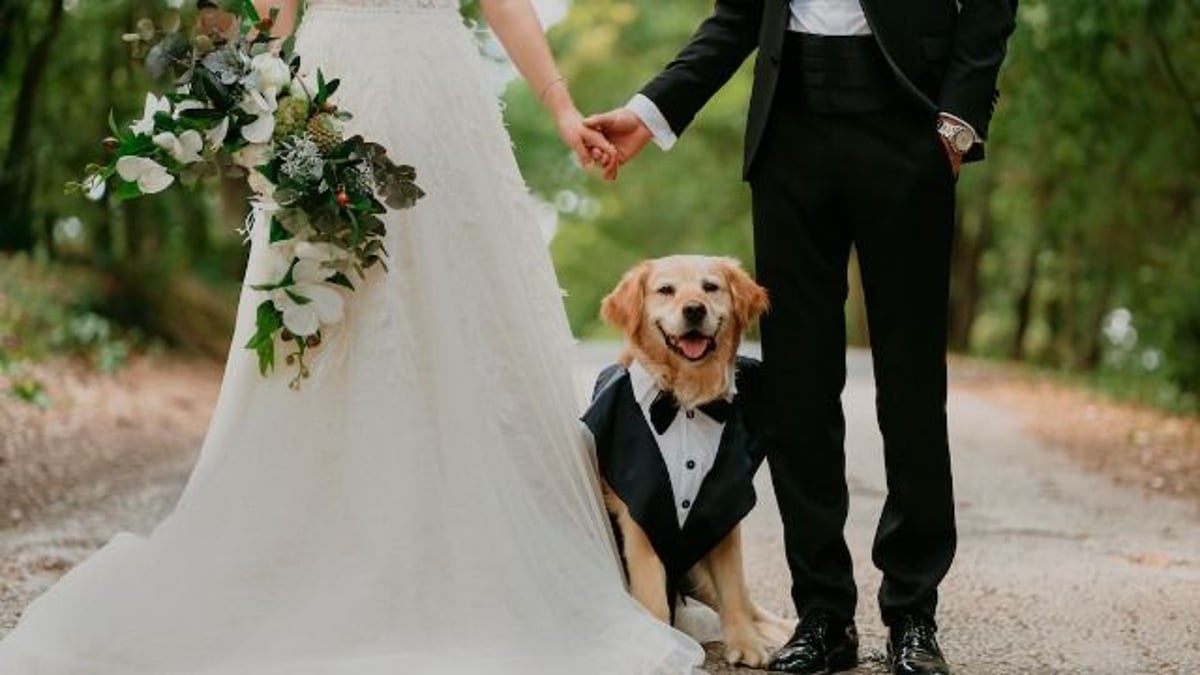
(861, 114)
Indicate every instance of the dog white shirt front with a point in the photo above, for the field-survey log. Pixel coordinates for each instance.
(689, 446)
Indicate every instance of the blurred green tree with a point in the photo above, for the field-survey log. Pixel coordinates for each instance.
(1087, 205)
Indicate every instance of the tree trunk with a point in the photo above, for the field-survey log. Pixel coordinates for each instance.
(1024, 307)
(12, 19)
(1093, 346)
(966, 288)
(1066, 341)
(17, 180)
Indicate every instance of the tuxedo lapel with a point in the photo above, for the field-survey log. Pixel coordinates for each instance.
(726, 495)
(632, 464)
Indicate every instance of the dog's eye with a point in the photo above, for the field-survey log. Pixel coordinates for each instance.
(666, 289)
(710, 287)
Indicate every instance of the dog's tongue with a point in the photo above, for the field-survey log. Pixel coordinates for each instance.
(693, 347)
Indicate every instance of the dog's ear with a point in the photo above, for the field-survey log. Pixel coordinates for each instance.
(623, 307)
(750, 300)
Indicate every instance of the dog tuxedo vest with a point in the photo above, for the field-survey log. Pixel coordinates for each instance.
(686, 476)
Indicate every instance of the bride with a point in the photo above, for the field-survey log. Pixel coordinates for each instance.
(424, 505)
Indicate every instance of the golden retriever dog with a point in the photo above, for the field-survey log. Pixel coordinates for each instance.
(683, 318)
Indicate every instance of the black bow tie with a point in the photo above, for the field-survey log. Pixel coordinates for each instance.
(666, 407)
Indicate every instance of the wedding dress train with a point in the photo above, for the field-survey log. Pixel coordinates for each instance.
(424, 504)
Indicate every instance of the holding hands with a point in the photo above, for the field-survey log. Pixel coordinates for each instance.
(625, 131)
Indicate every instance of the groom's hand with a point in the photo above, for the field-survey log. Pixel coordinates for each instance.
(626, 131)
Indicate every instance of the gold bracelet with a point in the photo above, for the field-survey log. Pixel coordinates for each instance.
(546, 89)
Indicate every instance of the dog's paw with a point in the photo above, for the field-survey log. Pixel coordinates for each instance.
(747, 647)
(774, 630)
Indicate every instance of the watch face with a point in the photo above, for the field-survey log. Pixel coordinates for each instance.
(963, 140)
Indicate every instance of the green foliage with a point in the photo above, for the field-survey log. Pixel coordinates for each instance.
(1088, 202)
(1093, 185)
(51, 310)
(689, 200)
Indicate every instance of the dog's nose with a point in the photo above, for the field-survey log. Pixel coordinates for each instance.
(695, 313)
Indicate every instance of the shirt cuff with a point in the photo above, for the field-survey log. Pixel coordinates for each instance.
(652, 117)
(958, 120)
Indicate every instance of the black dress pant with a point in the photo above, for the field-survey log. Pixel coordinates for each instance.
(877, 179)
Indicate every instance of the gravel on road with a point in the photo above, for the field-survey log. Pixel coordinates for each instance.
(1060, 570)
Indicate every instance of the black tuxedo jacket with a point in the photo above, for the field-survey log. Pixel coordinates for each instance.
(946, 55)
(632, 465)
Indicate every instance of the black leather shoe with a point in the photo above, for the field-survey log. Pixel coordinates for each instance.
(913, 648)
(819, 646)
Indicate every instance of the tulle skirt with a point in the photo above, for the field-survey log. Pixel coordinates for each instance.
(425, 503)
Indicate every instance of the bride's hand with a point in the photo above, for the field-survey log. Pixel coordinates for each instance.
(590, 146)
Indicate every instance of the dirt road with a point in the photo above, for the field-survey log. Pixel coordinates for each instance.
(1059, 570)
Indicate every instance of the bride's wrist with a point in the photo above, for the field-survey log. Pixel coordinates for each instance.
(556, 99)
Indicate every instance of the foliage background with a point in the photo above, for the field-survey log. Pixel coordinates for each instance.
(1076, 238)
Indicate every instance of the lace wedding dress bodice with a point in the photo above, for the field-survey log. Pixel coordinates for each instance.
(410, 5)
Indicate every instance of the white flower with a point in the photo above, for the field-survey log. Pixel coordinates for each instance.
(312, 259)
(262, 105)
(252, 156)
(150, 176)
(187, 104)
(184, 148)
(216, 135)
(279, 254)
(94, 187)
(154, 105)
(324, 306)
(268, 73)
(320, 251)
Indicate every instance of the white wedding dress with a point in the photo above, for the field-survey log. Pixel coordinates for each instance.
(424, 504)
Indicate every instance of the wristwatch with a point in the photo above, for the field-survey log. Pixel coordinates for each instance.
(960, 136)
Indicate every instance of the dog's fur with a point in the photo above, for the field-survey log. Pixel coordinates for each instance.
(648, 307)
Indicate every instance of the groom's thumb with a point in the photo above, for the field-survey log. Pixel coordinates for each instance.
(599, 122)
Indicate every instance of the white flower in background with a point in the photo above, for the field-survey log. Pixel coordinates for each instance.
(268, 74)
(252, 156)
(150, 176)
(184, 148)
(154, 105)
(216, 135)
(262, 105)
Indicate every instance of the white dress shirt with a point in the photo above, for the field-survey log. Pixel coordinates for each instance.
(829, 17)
(689, 446)
(817, 17)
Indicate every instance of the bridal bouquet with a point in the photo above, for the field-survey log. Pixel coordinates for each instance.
(240, 109)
